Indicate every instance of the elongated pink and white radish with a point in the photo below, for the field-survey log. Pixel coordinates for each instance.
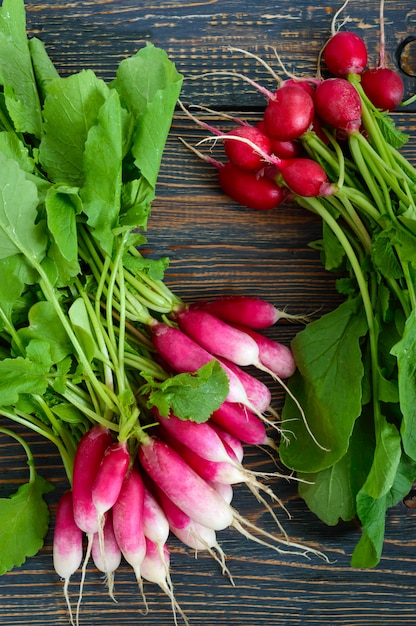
(201, 438)
(106, 553)
(248, 311)
(183, 485)
(89, 454)
(155, 523)
(217, 336)
(193, 534)
(232, 444)
(67, 544)
(183, 354)
(155, 569)
(243, 424)
(275, 356)
(109, 477)
(128, 522)
(225, 490)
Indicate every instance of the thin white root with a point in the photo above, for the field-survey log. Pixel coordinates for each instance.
(141, 588)
(68, 601)
(109, 582)
(176, 608)
(217, 554)
(83, 575)
(260, 60)
(292, 547)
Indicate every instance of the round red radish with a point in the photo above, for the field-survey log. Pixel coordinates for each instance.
(250, 189)
(282, 149)
(338, 104)
(241, 153)
(345, 53)
(306, 177)
(289, 114)
(384, 88)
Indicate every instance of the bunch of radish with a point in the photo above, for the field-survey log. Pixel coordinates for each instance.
(175, 476)
(277, 158)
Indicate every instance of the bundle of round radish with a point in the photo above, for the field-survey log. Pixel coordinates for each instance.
(329, 144)
(146, 398)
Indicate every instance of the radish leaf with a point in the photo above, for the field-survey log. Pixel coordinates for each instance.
(24, 519)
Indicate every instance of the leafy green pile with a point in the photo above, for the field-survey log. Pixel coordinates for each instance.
(356, 378)
(79, 159)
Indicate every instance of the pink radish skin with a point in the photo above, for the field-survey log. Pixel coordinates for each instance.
(110, 476)
(282, 149)
(304, 177)
(258, 394)
(191, 533)
(210, 471)
(67, 539)
(345, 53)
(232, 444)
(236, 419)
(226, 491)
(89, 454)
(201, 438)
(245, 310)
(128, 520)
(217, 336)
(183, 354)
(289, 114)
(277, 357)
(384, 88)
(183, 485)
(108, 561)
(250, 189)
(338, 104)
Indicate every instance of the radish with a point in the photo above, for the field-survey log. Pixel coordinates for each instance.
(155, 523)
(232, 444)
(183, 485)
(155, 569)
(282, 149)
(89, 454)
(289, 113)
(106, 553)
(258, 394)
(275, 356)
(183, 354)
(240, 153)
(225, 490)
(201, 438)
(338, 104)
(248, 311)
(217, 336)
(250, 189)
(345, 53)
(110, 476)
(128, 522)
(242, 423)
(67, 544)
(303, 176)
(384, 88)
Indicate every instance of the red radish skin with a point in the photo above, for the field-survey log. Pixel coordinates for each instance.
(183, 485)
(338, 104)
(283, 149)
(243, 155)
(89, 454)
(305, 177)
(250, 189)
(289, 114)
(201, 438)
(183, 354)
(384, 88)
(275, 356)
(217, 336)
(242, 423)
(110, 476)
(67, 544)
(248, 311)
(345, 53)
(128, 521)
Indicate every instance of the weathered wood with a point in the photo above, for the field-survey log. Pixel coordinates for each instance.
(217, 247)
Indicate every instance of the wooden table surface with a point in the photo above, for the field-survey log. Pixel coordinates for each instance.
(218, 247)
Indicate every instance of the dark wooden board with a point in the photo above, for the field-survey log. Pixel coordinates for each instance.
(217, 247)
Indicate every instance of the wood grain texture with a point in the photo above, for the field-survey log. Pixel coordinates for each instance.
(217, 247)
